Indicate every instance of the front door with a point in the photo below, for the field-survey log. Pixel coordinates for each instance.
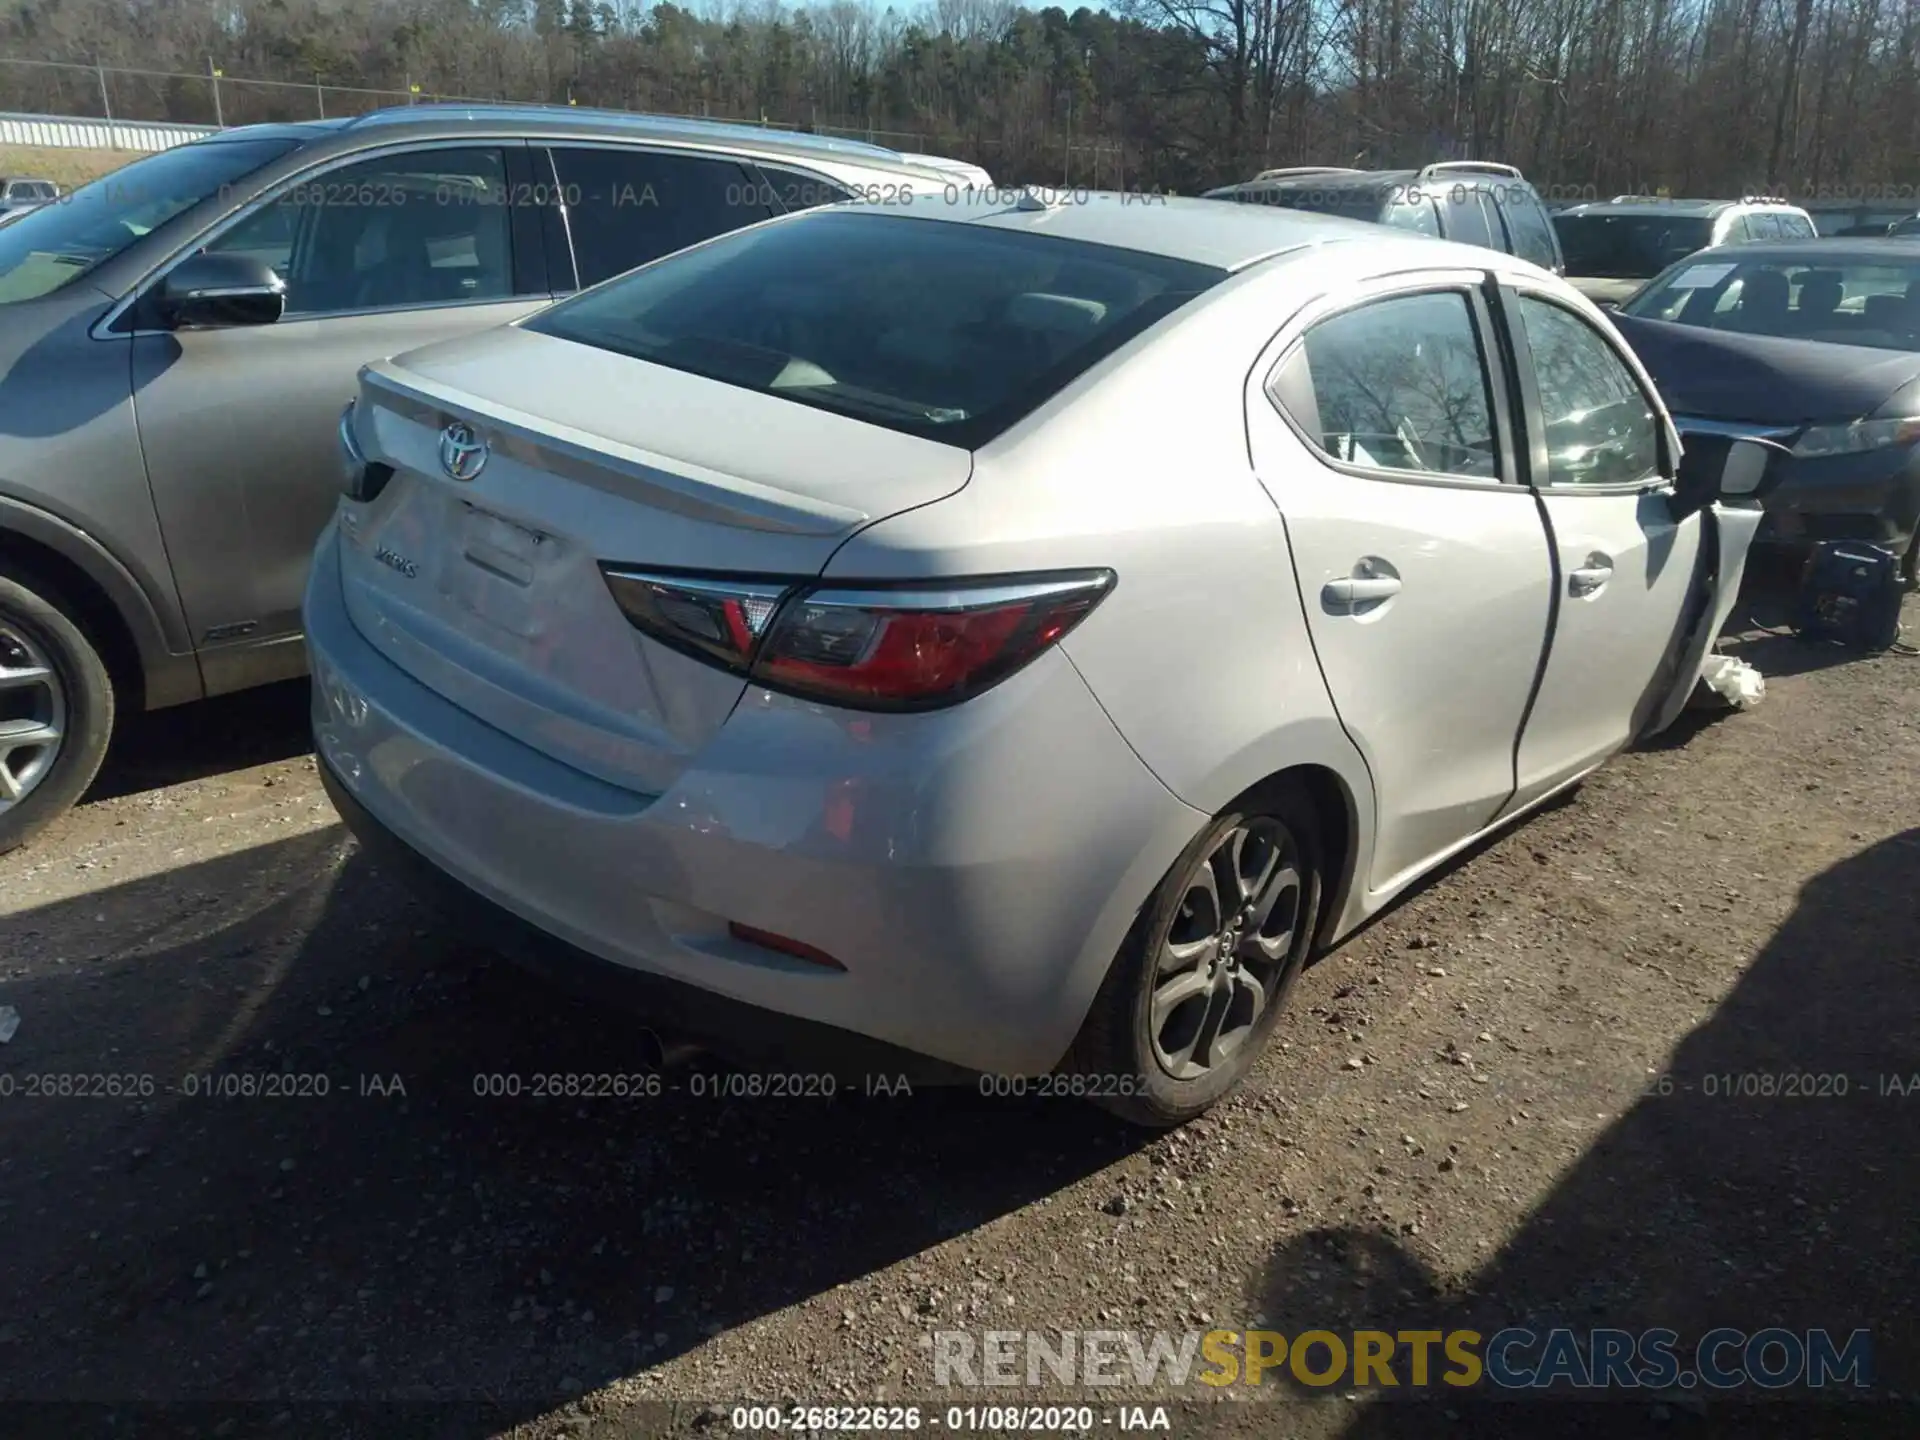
(1626, 567)
(1422, 562)
(239, 425)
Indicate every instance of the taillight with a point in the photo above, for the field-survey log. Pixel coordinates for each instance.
(361, 478)
(719, 620)
(868, 647)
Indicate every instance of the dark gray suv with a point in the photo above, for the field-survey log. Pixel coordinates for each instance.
(1475, 202)
(178, 339)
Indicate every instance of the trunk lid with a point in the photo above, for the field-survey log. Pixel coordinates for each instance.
(489, 590)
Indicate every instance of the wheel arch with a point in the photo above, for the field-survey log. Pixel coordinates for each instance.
(1338, 812)
(113, 610)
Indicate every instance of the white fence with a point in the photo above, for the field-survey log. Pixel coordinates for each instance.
(66, 132)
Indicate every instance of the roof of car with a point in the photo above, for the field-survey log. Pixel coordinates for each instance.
(1181, 228)
(581, 122)
(1826, 250)
(1661, 205)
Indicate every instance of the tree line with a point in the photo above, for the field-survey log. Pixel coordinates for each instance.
(1702, 97)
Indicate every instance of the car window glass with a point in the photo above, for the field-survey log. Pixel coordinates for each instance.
(1763, 227)
(627, 207)
(1400, 384)
(1527, 224)
(1466, 217)
(54, 245)
(1413, 211)
(1845, 302)
(401, 231)
(1796, 227)
(949, 332)
(793, 190)
(1601, 428)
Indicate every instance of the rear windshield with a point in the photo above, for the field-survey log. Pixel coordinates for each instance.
(65, 238)
(944, 330)
(1629, 247)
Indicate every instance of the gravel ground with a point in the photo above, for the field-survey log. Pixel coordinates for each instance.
(1504, 1103)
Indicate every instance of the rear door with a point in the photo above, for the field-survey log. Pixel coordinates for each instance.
(380, 255)
(1625, 568)
(1422, 562)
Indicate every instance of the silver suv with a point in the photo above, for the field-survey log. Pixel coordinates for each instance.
(178, 339)
(1613, 247)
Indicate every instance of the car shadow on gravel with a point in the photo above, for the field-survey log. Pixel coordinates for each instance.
(184, 743)
(334, 1207)
(1705, 1204)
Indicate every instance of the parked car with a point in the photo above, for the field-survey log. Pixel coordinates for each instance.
(1902, 229)
(19, 194)
(1614, 247)
(888, 621)
(177, 339)
(1471, 201)
(1853, 219)
(1816, 345)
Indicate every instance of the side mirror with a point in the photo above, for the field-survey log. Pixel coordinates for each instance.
(1721, 467)
(221, 290)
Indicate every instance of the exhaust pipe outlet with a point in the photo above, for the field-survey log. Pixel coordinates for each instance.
(661, 1054)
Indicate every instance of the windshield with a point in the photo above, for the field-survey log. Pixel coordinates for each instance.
(945, 330)
(1844, 302)
(1629, 247)
(56, 243)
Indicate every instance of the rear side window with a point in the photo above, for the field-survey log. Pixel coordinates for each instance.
(1398, 384)
(1763, 227)
(1466, 220)
(1796, 227)
(1527, 226)
(944, 330)
(627, 207)
(1413, 211)
(794, 190)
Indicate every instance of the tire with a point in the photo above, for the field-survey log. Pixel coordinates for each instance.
(74, 701)
(1152, 1074)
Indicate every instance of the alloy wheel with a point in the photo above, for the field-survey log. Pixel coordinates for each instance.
(33, 715)
(1227, 948)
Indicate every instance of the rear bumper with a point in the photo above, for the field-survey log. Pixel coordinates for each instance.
(975, 869)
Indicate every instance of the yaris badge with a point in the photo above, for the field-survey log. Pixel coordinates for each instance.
(463, 454)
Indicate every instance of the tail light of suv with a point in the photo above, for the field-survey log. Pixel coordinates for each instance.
(865, 647)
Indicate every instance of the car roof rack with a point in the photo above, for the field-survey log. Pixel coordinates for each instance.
(1764, 200)
(1473, 167)
(1291, 170)
(1640, 200)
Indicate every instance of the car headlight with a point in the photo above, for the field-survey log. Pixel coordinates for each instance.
(1856, 436)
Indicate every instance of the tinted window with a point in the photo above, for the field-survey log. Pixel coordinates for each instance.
(1601, 430)
(1629, 247)
(1400, 384)
(626, 207)
(1763, 227)
(1527, 226)
(430, 228)
(54, 245)
(1413, 212)
(1466, 217)
(792, 190)
(1844, 301)
(938, 329)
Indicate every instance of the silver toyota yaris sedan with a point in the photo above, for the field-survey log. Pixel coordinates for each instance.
(1011, 632)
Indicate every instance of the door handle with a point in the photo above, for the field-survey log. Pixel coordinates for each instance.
(1591, 577)
(1358, 590)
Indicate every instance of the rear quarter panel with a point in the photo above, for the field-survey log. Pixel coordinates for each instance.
(1200, 655)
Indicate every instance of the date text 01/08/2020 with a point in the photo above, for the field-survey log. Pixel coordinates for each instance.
(822, 1420)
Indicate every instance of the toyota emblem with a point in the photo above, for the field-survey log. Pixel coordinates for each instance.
(463, 454)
